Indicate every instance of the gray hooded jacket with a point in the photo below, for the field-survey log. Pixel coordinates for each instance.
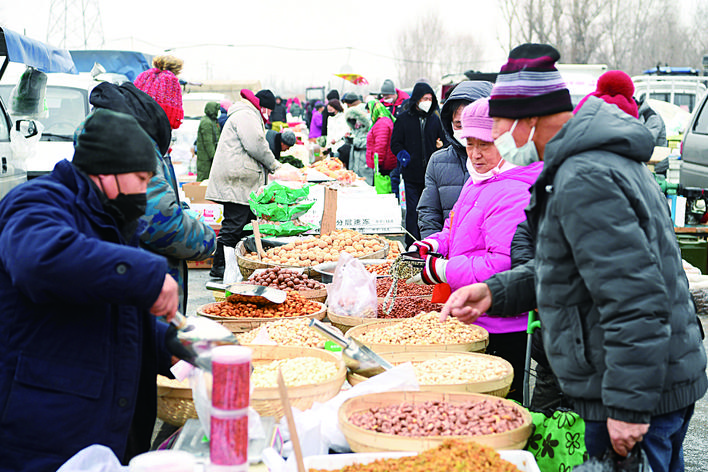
(619, 328)
(447, 172)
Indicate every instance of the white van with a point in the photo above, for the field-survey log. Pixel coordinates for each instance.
(684, 91)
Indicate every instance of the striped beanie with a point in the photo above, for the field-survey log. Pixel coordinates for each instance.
(164, 87)
(529, 84)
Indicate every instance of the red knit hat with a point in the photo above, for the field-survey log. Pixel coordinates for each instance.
(617, 88)
(163, 86)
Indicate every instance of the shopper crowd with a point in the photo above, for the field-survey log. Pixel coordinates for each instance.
(515, 200)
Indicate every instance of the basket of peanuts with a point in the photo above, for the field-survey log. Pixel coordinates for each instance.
(239, 316)
(309, 251)
(290, 279)
(311, 375)
(423, 332)
(285, 332)
(416, 421)
(403, 307)
(450, 371)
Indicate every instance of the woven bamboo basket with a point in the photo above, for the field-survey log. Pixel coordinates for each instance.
(174, 401)
(362, 440)
(473, 346)
(345, 323)
(247, 266)
(241, 325)
(498, 387)
(266, 401)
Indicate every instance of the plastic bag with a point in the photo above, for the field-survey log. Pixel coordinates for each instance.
(23, 142)
(94, 458)
(288, 172)
(278, 193)
(636, 461)
(382, 183)
(281, 228)
(279, 211)
(28, 96)
(353, 289)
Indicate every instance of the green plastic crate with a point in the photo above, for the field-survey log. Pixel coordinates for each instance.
(695, 251)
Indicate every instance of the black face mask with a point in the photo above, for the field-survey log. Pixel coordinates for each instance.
(126, 208)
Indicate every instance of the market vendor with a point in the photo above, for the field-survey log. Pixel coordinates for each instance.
(79, 345)
(476, 239)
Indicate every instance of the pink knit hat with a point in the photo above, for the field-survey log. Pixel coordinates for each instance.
(163, 86)
(476, 122)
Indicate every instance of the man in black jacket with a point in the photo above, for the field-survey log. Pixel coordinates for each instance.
(620, 330)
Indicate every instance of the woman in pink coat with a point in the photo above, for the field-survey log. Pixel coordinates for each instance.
(379, 138)
(476, 239)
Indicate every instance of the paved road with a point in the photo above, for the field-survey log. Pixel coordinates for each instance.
(695, 445)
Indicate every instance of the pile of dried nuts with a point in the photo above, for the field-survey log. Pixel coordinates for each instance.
(440, 418)
(451, 456)
(284, 279)
(408, 307)
(380, 269)
(317, 249)
(460, 369)
(292, 332)
(296, 371)
(403, 289)
(394, 249)
(294, 305)
(425, 328)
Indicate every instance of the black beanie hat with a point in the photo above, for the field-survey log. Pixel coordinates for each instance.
(266, 99)
(129, 99)
(108, 142)
(333, 95)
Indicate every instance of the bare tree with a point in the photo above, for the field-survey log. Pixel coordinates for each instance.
(426, 50)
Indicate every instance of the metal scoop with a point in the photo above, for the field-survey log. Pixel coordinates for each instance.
(192, 338)
(250, 293)
(357, 356)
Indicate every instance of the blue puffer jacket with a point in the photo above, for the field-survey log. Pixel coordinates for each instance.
(447, 172)
(78, 349)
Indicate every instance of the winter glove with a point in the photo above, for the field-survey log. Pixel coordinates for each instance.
(434, 270)
(417, 279)
(403, 157)
(423, 247)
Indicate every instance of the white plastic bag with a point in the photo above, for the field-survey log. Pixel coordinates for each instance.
(232, 274)
(94, 458)
(22, 145)
(353, 289)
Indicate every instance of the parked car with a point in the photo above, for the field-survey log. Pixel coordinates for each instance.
(683, 91)
(694, 148)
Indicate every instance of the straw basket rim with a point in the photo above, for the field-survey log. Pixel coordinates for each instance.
(241, 325)
(363, 440)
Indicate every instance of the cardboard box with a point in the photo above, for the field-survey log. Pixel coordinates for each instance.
(195, 191)
(205, 264)
(213, 213)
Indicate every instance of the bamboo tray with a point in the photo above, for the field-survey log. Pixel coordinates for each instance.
(174, 401)
(474, 346)
(266, 401)
(241, 325)
(345, 323)
(362, 440)
(247, 266)
(498, 387)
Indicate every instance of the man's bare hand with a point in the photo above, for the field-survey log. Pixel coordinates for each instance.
(168, 301)
(468, 303)
(625, 435)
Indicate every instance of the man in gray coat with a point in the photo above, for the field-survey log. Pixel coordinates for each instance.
(446, 172)
(620, 331)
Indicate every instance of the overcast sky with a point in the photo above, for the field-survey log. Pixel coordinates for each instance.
(275, 41)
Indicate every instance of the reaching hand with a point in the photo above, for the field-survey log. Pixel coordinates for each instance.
(423, 247)
(168, 301)
(403, 157)
(625, 435)
(468, 303)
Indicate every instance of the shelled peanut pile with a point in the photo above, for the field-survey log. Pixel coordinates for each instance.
(294, 305)
(460, 369)
(450, 456)
(295, 332)
(441, 418)
(317, 249)
(402, 289)
(296, 371)
(425, 328)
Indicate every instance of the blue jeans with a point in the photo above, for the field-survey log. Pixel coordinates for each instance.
(663, 443)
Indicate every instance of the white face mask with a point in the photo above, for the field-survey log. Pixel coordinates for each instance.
(457, 134)
(523, 156)
(425, 106)
(478, 177)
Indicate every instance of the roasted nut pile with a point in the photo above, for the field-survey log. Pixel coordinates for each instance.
(408, 307)
(460, 369)
(394, 249)
(286, 333)
(380, 269)
(402, 289)
(294, 305)
(439, 418)
(285, 279)
(451, 456)
(425, 328)
(317, 249)
(296, 371)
